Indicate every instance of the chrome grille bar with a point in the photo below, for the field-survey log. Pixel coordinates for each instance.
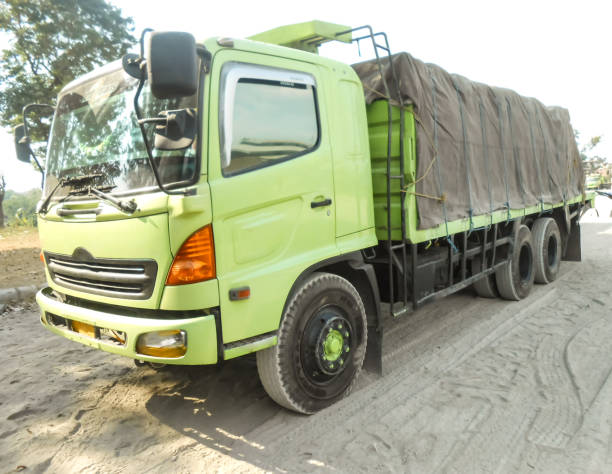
(119, 278)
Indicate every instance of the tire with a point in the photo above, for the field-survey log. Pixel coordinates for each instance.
(321, 346)
(485, 287)
(515, 279)
(547, 249)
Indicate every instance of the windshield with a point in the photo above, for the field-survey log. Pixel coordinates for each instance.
(95, 131)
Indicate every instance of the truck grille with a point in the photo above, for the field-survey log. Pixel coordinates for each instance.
(117, 278)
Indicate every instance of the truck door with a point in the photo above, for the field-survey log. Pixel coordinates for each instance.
(270, 174)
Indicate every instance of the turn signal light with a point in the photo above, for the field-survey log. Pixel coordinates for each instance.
(195, 260)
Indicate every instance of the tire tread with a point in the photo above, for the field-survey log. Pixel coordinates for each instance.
(274, 379)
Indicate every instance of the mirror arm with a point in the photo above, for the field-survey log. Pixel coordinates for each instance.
(26, 110)
(26, 138)
(159, 120)
(141, 124)
(205, 56)
(142, 35)
(26, 141)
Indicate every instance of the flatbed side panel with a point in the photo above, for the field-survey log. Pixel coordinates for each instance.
(377, 129)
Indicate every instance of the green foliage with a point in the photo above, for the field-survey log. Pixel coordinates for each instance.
(52, 42)
(20, 208)
(586, 149)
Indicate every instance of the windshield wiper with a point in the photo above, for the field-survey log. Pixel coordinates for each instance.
(129, 207)
(80, 180)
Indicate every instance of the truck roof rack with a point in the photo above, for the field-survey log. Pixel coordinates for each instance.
(307, 36)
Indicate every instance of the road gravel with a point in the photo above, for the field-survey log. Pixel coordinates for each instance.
(470, 385)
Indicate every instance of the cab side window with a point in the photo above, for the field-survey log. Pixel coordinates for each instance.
(267, 117)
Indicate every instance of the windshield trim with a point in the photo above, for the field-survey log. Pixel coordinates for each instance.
(113, 67)
(119, 194)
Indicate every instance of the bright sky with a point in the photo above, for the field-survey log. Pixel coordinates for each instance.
(557, 51)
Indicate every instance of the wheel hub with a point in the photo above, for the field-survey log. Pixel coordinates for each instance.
(333, 345)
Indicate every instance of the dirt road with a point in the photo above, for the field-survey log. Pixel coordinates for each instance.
(19, 257)
(471, 385)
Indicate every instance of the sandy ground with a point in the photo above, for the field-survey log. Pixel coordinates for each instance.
(20, 263)
(470, 385)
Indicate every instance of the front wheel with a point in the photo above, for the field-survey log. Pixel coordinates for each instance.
(321, 346)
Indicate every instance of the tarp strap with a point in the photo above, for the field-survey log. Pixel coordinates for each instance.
(503, 151)
(569, 159)
(485, 150)
(465, 156)
(562, 189)
(535, 158)
(517, 158)
(546, 148)
(439, 178)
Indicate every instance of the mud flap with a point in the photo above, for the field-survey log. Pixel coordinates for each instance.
(373, 358)
(573, 250)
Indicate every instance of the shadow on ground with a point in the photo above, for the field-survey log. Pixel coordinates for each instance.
(222, 408)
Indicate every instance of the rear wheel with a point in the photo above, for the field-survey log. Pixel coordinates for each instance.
(485, 287)
(321, 346)
(515, 279)
(547, 249)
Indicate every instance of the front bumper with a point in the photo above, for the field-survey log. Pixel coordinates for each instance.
(201, 330)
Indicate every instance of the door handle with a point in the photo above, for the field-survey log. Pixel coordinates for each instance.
(325, 202)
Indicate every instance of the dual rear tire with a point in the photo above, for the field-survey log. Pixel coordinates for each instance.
(515, 279)
(536, 258)
(547, 243)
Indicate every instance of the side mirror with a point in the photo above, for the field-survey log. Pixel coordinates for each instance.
(172, 64)
(178, 132)
(22, 143)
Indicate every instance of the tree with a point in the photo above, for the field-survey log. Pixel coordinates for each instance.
(592, 143)
(51, 43)
(20, 208)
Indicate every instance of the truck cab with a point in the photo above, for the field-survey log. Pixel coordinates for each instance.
(273, 186)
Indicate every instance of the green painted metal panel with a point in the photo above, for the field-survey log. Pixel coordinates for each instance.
(266, 232)
(129, 238)
(191, 297)
(351, 160)
(250, 347)
(305, 36)
(201, 333)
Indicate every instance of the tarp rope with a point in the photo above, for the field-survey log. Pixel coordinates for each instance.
(503, 150)
(431, 141)
(517, 158)
(546, 148)
(536, 159)
(439, 178)
(466, 157)
(485, 149)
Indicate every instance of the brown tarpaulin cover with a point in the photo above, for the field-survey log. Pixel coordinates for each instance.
(495, 148)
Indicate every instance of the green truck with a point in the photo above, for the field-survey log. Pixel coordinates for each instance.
(595, 181)
(207, 200)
